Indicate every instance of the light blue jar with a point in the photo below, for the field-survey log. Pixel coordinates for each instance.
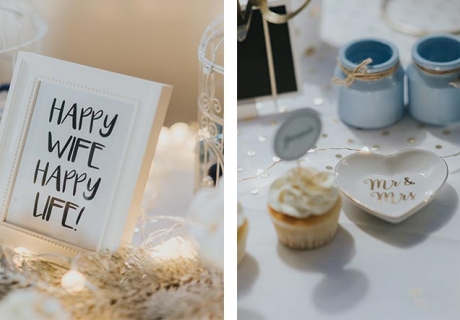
(435, 66)
(377, 99)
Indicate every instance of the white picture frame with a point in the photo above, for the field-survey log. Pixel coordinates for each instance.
(100, 128)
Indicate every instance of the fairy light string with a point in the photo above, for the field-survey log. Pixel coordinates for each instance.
(364, 149)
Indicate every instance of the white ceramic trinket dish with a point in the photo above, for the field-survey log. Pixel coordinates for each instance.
(391, 187)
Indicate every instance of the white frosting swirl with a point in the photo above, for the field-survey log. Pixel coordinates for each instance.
(303, 192)
(241, 216)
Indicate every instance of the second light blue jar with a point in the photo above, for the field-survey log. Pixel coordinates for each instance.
(435, 68)
(377, 99)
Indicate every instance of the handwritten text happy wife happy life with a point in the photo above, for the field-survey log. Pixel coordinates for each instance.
(71, 149)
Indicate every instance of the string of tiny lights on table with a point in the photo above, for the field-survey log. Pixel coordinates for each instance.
(364, 149)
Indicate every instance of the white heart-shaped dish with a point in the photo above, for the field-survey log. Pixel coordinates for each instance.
(391, 187)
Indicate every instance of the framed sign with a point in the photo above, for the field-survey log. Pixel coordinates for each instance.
(255, 77)
(75, 151)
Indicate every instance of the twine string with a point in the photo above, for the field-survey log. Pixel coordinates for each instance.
(455, 84)
(361, 72)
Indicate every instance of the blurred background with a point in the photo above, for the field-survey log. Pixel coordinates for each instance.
(149, 39)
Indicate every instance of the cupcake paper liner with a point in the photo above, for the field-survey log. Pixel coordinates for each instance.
(308, 236)
(242, 236)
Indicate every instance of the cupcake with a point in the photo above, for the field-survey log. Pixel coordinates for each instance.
(304, 205)
(242, 233)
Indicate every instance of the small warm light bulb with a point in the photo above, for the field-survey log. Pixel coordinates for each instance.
(179, 132)
(165, 136)
(21, 250)
(73, 281)
(174, 248)
(20, 256)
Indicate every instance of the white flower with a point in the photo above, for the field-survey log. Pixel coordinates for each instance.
(27, 304)
(207, 214)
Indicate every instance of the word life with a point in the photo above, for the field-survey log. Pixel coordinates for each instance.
(382, 190)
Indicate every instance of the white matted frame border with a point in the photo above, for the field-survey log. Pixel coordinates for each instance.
(149, 99)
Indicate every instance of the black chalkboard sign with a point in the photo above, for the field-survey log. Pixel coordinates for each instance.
(253, 68)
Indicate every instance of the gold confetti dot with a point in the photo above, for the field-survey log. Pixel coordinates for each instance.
(310, 52)
(324, 135)
(385, 133)
(334, 121)
(438, 146)
(446, 132)
(338, 156)
(314, 12)
(274, 123)
(420, 303)
(411, 140)
(349, 141)
(415, 292)
(329, 168)
(375, 147)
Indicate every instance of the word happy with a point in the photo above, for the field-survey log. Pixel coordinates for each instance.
(71, 149)
(381, 189)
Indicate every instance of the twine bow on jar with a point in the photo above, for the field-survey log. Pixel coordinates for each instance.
(361, 72)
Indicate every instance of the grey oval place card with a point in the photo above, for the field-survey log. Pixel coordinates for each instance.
(297, 134)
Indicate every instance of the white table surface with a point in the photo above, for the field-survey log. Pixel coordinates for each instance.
(371, 269)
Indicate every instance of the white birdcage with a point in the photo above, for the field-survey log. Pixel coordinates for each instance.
(210, 146)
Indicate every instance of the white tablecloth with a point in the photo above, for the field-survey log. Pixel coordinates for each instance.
(371, 269)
